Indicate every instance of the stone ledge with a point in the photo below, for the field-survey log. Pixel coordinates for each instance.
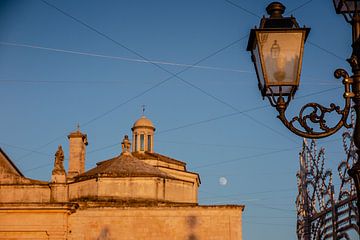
(39, 206)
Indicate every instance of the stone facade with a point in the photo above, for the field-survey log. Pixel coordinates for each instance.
(139, 194)
(95, 221)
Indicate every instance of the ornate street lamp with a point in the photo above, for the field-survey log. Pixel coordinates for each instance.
(277, 48)
(276, 51)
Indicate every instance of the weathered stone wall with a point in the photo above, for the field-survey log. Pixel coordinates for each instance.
(24, 193)
(83, 189)
(158, 163)
(29, 222)
(157, 223)
(180, 191)
(62, 221)
(135, 188)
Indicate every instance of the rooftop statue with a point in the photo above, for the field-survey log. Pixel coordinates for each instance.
(59, 160)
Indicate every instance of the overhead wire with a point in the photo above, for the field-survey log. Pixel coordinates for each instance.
(289, 12)
(187, 125)
(268, 224)
(24, 149)
(141, 56)
(252, 156)
(173, 75)
(300, 6)
(325, 50)
(242, 8)
(136, 96)
(176, 75)
(247, 194)
(224, 102)
(242, 111)
(120, 58)
(162, 82)
(141, 93)
(197, 123)
(242, 158)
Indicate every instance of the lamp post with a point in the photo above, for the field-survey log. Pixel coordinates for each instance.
(276, 51)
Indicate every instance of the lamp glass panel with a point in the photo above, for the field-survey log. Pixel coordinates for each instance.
(258, 66)
(276, 90)
(280, 57)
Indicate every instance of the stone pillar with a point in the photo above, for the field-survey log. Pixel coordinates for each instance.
(77, 150)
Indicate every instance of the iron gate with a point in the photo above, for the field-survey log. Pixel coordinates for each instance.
(321, 212)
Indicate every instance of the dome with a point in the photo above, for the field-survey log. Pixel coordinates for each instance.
(123, 166)
(143, 122)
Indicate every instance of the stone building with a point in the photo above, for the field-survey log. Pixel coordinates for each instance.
(139, 194)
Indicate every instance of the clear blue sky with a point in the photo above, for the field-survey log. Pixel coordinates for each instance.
(56, 73)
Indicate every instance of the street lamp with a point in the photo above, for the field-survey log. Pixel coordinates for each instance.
(276, 51)
(277, 48)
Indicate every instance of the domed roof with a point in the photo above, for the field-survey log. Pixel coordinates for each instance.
(124, 165)
(143, 122)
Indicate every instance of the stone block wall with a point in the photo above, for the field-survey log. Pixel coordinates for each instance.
(158, 223)
(101, 222)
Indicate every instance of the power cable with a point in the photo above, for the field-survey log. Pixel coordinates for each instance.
(212, 145)
(326, 50)
(187, 125)
(242, 158)
(243, 9)
(24, 149)
(267, 224)
(256, 15)
(120, 58)
(232, 196)
(41, 147)
(257, 192)
(272, 208)
(192, 124)
(252, 156)
(138, 95)
(141, 56)
(162, 82)
(271, 217)
(210, 119)
(88, 153)
(176, 75)
(300, 6)
(291, 11)
(240, 112)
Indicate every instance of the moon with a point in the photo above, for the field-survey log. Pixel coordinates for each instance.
(223, 181)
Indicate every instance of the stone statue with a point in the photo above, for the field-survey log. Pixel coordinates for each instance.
(59, 160)
(126, 144)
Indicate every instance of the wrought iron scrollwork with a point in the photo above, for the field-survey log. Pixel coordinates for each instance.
(322, 212)
(317, 113)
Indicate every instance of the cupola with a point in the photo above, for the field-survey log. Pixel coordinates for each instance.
(143, 135)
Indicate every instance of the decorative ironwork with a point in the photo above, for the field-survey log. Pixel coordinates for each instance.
(320, 214)
(310, 123)
(317, 113)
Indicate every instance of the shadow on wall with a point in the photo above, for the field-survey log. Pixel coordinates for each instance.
(104, 234)
(191, 223)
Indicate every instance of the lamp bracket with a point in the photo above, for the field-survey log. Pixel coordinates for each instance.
(317, 113)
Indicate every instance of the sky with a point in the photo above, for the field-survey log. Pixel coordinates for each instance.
(95, 63)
